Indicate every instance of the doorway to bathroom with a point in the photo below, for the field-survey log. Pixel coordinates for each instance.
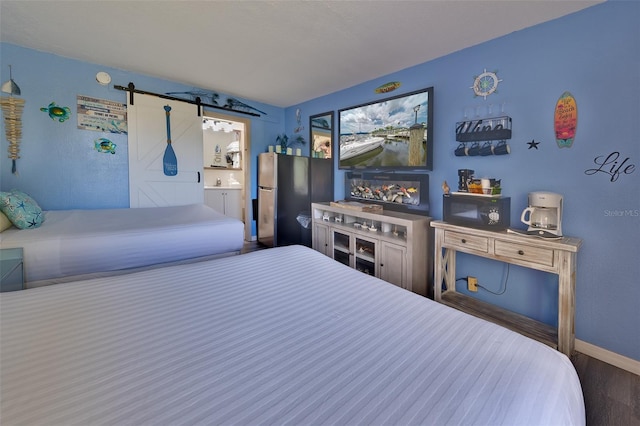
(227, 174)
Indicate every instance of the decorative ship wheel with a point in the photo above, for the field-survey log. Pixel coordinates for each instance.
(485, 83)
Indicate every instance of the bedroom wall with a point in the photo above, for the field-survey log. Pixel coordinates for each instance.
(595, 55)
(59, 165)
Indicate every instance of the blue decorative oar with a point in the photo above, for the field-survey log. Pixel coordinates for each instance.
(169, 161)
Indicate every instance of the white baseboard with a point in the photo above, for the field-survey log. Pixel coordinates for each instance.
(609, 357)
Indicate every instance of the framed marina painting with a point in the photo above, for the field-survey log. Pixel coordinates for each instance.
(395, 133)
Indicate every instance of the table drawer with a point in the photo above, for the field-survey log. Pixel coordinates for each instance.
(538, 255)
(461, 241)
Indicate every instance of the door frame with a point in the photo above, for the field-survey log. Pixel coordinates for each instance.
(247, 208)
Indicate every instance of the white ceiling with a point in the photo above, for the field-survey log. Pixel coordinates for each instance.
(277, 52)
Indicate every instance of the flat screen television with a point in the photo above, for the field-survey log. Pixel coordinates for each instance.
(395, 133)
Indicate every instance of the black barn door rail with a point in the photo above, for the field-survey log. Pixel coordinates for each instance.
(132, 89)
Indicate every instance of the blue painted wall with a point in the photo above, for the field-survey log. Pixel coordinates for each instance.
(595, 55)
(59, 166)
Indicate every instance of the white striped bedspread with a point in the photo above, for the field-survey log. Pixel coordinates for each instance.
(278, 336)
(72, 243)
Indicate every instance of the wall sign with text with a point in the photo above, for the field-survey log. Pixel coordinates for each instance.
(565, 120)
(101, 115)
(484, 129)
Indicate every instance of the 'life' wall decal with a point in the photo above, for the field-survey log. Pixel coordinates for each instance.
(610, 165)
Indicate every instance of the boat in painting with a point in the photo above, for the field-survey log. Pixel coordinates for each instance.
(353, 149)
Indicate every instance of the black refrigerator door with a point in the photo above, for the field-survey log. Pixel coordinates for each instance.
(292, 198)
(321, 179)
(321, 190)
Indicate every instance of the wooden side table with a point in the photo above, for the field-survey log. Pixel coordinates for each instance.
(555, 256)
(11, 270)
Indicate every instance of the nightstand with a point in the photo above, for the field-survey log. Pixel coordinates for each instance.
(11, 271)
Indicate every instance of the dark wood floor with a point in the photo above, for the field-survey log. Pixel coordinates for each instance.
(250, 246)
(611, 395)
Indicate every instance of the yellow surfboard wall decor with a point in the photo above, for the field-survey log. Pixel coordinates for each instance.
(566, 120)
(388, 87)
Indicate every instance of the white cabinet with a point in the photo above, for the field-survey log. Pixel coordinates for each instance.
(356, 251)
(393, 264)
(321, 240)
(393, 246)
(227, 201)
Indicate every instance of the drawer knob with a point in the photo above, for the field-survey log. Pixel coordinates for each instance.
(520, 252)
(463, 241)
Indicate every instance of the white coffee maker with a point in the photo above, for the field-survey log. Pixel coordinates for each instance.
(544, 214)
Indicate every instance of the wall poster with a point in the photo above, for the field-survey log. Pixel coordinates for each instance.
(101, 115)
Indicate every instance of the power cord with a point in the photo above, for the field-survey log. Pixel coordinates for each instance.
(503, 286)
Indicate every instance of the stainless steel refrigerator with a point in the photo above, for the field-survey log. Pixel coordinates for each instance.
(287, 185)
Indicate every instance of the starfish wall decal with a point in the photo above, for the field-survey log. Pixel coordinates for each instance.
(533, 144)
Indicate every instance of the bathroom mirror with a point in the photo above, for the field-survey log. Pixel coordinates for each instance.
(221, 144)
(321, 135)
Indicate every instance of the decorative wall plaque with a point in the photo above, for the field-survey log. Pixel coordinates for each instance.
(484, 129)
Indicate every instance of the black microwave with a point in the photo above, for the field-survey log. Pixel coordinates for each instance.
(477, 211)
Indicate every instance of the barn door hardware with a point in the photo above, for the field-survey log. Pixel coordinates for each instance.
(131, 89)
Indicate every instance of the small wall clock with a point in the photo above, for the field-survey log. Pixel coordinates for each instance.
(485, 83)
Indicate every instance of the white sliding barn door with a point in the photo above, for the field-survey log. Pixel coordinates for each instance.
(148, 185)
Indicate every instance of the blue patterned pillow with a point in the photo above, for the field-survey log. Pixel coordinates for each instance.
(21, 209)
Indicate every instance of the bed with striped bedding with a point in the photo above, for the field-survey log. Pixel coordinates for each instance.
(284, 336)
(73, 244)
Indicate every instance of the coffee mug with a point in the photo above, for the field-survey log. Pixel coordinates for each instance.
(502, 148)
(486, 185)
(487, 149)
(462, 150)
(474, 150)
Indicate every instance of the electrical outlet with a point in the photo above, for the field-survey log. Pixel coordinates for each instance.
(472, 283)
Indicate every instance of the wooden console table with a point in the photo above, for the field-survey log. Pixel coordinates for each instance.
(554, 256)
(394, 246)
